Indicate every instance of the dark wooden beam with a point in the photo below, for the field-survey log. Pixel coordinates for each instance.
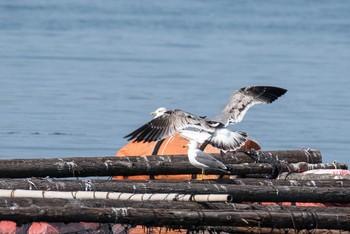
(151, 186)
(139, 165)
(180, 218)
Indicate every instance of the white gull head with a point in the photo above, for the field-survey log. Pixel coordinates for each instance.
(159, 112)
(192, 144)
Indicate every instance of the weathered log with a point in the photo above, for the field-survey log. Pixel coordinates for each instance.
(180, 218)
(79, 168)
(194, 216)
(273, 169)
(272, 230)
(274, 182)
(290, 156)
(126, 166)
(104, 203)
(312, 177)
(274, 207)
(99, 203)
(303, 166)
(156, 186)
(266, 168)
(289, 194)
(248, 193)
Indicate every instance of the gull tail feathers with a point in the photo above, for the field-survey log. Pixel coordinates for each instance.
(227, 170)
(227, 140)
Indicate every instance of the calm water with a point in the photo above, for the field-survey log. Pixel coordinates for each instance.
(76, 76)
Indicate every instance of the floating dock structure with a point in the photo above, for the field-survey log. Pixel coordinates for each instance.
(265, 192)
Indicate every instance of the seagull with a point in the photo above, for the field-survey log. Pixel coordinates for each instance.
(203, 160)
(168, 122)
(191, 134)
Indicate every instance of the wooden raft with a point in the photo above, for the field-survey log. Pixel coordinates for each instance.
(33, 190)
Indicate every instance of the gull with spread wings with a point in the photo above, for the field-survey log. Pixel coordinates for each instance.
(169, 122)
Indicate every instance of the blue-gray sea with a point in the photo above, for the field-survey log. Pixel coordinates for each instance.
(76, 76)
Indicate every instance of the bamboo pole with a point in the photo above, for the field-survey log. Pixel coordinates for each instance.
(181, 218)
(272, 230)
(312, 177)
(303, 166)
(20, 193)
(174, 214)
(274, 207)
(158, 186)
(278, 182)
(104, 203)
(248, 193)
(100, 203)
(290, 156)
(126, 166)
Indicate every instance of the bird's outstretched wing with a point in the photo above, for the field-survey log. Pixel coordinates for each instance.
(227, 140)
(245, 98)
(168, 124)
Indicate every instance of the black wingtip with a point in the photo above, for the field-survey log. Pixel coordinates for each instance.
(273, 93)
(146, 133)
(135, 134)
(267, 94)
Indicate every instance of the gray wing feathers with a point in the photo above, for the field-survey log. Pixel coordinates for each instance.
(241, 101)
(209, 160)
(168, 124)
(174, 121)
(227, 140)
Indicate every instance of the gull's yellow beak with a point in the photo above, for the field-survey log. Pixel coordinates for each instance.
(153, 113)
